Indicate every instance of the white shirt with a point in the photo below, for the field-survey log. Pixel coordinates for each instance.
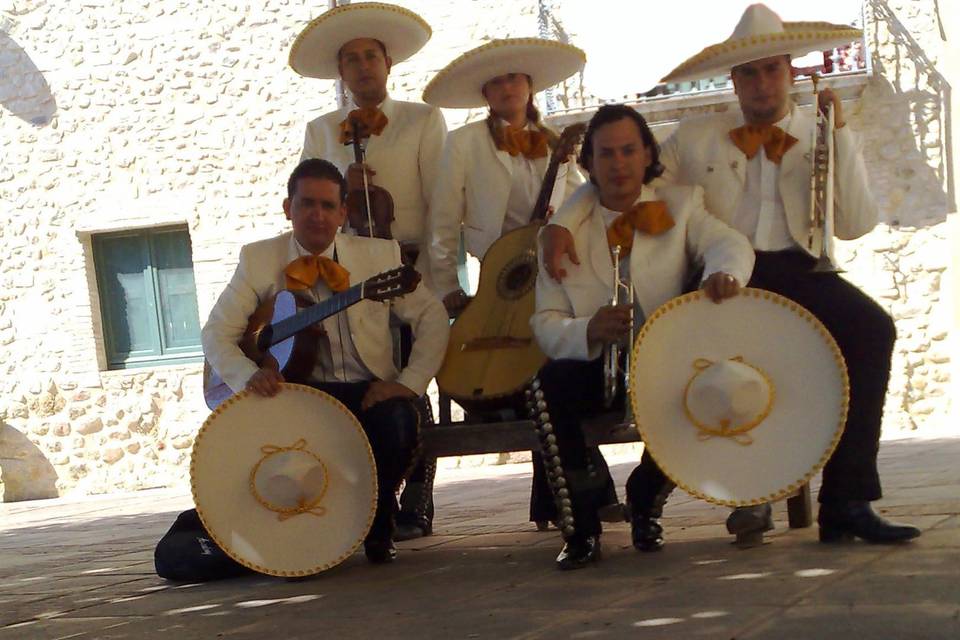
(760, 215)
(337, 356)
(524, 189)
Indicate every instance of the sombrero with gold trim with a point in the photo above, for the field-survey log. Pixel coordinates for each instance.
(314, 52)
(740, 402)
(287, 485)
(459, 85)
(762, 34)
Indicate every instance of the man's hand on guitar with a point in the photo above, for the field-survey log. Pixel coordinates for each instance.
(455, 302)
(381, 390)
(557, 242)
(265, 382)
(720, 286)
(609, 324)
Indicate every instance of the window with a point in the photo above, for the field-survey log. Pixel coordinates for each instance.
(148, 297)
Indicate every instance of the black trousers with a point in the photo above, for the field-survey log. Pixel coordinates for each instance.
(865, 334)
(573, 392)
(186, 552)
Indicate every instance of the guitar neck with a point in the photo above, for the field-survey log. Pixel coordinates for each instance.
(546, 189)
(314, 314)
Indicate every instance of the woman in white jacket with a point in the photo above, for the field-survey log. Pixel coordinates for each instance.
(491, 174)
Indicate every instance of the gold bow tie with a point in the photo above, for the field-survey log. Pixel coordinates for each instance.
(532, 144)
(304, 272)
(369, 120)
(649, 217)
(774, 140)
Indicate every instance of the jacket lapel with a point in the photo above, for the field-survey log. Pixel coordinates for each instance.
(383, 141)
(736, 159)
(599, 251)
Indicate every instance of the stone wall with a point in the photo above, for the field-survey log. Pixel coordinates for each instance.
(133, 114)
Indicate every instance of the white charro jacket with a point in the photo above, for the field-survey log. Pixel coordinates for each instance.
(406, 157)
(472, 190)
(659, 265)
(260, 274)
(701, 152)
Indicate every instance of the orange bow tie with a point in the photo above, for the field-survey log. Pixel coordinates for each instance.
(775, 141)
(532, 144)
(304, 272)
(649, 217)
(371, 121)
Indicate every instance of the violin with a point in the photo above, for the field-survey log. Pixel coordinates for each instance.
(369, 207)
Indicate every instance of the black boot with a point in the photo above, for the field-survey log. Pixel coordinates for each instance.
(840, 521)
(380, 550)
(645, 528)
(578, 553)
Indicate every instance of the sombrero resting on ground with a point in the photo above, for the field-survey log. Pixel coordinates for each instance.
(741, 402)
(314, 52)
(459, 85)
(286, 486)
(762, 34)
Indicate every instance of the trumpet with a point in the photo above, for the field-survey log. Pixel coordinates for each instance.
(821, 186)
(622, 294)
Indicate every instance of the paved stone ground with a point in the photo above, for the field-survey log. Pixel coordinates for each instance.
(83, 569)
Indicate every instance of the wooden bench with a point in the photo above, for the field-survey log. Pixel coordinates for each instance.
(447, 438)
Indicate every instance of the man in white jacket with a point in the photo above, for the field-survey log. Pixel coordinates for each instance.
(355, 360)
(754, 166)
(663, 235)
(360, 43)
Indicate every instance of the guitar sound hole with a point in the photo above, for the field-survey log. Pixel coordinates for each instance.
(518, 277)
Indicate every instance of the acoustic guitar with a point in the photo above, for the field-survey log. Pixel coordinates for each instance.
(492, 354)
(282, 328)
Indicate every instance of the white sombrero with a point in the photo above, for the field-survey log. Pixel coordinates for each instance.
(287, 485)
(740, 402)
(459, 85)
(762, 34)
(314, 52)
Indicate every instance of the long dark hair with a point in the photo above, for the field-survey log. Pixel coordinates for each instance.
(610, 113)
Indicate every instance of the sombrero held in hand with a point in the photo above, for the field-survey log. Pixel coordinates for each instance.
(741, 402)
(286, 486)
(762, 34)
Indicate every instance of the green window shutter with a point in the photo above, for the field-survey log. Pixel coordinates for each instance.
(176, 291)
(147, 297)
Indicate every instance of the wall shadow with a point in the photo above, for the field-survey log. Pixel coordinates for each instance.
(24, 91)
(25, 472)
(927, 108)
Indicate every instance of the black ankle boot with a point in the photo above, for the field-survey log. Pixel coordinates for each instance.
(840, 521)
(646, 532)
(578, 553)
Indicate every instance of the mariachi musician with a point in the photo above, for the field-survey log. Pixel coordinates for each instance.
(650, 240)
(492, 174)
(755, 168)
(354, 359)
(359, 43)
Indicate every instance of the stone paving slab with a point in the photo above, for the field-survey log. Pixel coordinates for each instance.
(83, 569)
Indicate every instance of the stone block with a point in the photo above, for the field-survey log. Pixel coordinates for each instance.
(90, 426)
(133, 447)
(61, 429)
(112, 455)
(183, 442)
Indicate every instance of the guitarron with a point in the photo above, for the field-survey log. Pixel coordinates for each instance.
(492, 354)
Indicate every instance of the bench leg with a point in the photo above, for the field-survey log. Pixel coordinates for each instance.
(799, 511)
